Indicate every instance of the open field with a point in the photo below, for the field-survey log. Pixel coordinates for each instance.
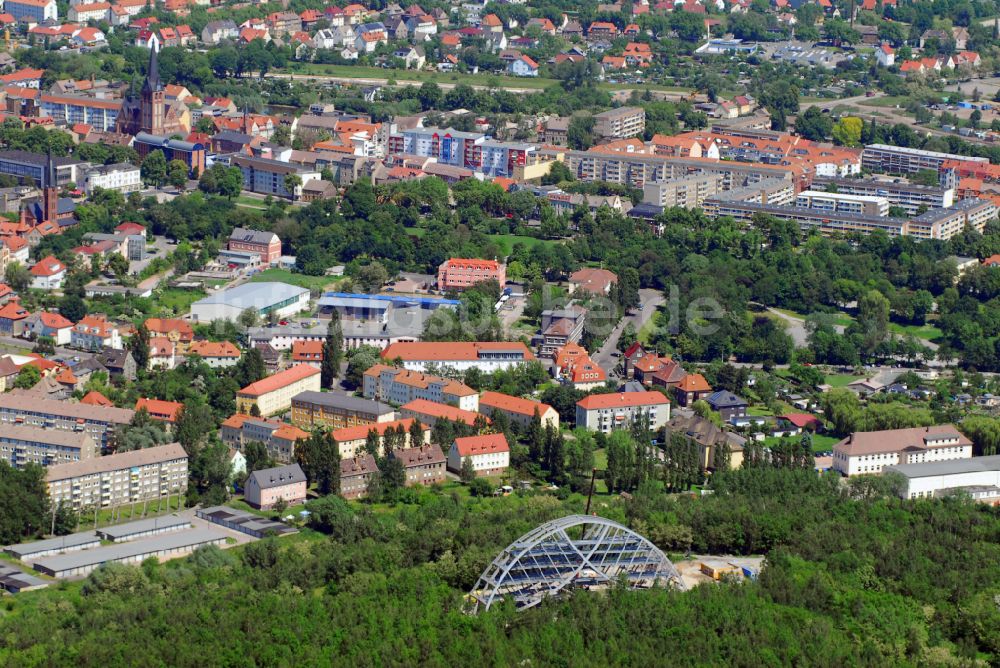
(840, 379)
(176, 300)
(292, 278)
(507, 241)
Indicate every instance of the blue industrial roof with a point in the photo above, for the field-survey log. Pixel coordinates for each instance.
(332, 298)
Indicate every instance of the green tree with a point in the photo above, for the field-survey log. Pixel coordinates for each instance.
(27, 377)
(847, 131)
(580, 132)
(154, 168)
(72, 307)
(467, 473)
(17, 277)
(333, 347)
(177, 173)
(139, 346)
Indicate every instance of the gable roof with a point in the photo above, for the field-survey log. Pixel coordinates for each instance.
(279, 380)
(470, 446)
(277, 476)
(622, 400)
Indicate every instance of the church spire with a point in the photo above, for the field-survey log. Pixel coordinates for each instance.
(152, 83)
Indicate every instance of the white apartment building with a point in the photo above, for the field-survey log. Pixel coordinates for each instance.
(871, 451)
(867, 205)
(979, 477)
(122, 177)
(399, 386)
(489, 453)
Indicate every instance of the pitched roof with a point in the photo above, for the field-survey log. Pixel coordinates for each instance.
(419, 456)
(451, 350)
(622, 400)
(116, 462)
(48, 266)
(470, 446)
(725, 399)
(209, 349)
(167, 325)
(157, 408)
(440, 411)
(800, 420)
(277, 476)
(507, 403)
(694, 382)
(54, 320)
(897, 440)
(95, 398)
(361, 431)
(359, 465)
(279, 380)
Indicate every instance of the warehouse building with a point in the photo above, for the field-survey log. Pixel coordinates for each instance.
(14, 581)
(244, 522)
(135, 552)
(264, 299)
(979, 477)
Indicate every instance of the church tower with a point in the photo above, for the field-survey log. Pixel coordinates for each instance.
(50, 192)
(152, 104)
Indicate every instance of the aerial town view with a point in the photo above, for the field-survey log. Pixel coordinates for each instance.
(500, 333)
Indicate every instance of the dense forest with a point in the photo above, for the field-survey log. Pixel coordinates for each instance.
(852, 578)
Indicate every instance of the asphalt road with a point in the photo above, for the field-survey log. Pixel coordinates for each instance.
(651, 300)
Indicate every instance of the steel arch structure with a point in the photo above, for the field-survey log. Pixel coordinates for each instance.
(547, 560)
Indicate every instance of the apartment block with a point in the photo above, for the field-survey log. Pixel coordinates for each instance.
(274, 394)
(687, 193)
(21, 445)
(487, 356)
(907, 196)
(121, 479)
(399, 386)
(424, 465)
(326, 409)
(865, 205)
(872, 451)
(899, 160)
(351, 441)
(462, 273)
(518, 410)
(98, 422)
(449, 146)
(608, 412)
(620, 123)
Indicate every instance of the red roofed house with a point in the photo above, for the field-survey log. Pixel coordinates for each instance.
(523, 66)
(489, 453)
(48, 274)
(429, 412)
(802, 421)
(351, 440)
(13, 318)
(216, 355)
(462, 273)
(95, 398)
(176, 330)
(592, 281)
(54, 326)
(517, 410)
(691, 388)
(487, 356)
(607, 412)
(308, 352)
(573, 366)
(162, 353)
(165, 411)
(992, 261)
(602, 29)
(885, 55)
(274, 394)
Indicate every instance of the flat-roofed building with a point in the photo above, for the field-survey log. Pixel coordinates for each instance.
(328, 409)
(21, 445)
(27, 165)
(872, 451)
(36, 549)
(907, 196)
(487, 356)
(400, 386)
(607, 412)
(154, 526)
(98, 422)
(979, 477)
(620, 123)
(687, 193)
(518, 410)
(867, 205)
(901, 160)
(262, 298)
(120, 479)
(273, 395)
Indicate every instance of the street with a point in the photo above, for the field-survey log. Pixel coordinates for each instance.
(651, 300)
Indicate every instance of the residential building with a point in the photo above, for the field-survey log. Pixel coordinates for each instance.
(13, 318)
(355, 474)
(32, 11)
(67, 110)
(23, 444)
(264, 298)
(522, 66)
(872, 451)
(424, 465)
(620, 123)
(53, 326)
(175, 330)
(274, 394)
(688, 193)
(164, 411)
(266, 245)
(121, 177)
(328, 409)
(908, 196)
(691, 388)
(448, 146)
(461, 273)
(120, 479)
(560, 327)
(978, 477)
(459, 355)
(119, 363)
(573, 366)
(489, 453)
(278, 437)
(351, 441)
(216, 355)
(400, 386)
(95, 333)
(865, 205)
(27, 165)
(271, 177)
(265, 488)
(429, 412)
(607, 412)
(592, 281)
(727, 405)
(518, 410)
(900, 160)
(48, 274)
(308, 352)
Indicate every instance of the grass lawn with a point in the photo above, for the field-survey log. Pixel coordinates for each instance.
(129, 513)
(176, 300)
(647, 329)
(292, 278)
(362, 72)
(840, 379)
(820, 442)
(839, 318)
(759, 411)
(417, 232)
(927, 331)
(507, 241)
(889, 101)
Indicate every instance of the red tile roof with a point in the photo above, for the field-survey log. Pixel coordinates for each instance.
(54, 320)
(440, 411)
(159, 409)
(486, 444)
(506, 402)
(278, 380)
(623, 399)
(450, 350)
(359, 432)
(214, 349)
(48, 266)
(95, 398)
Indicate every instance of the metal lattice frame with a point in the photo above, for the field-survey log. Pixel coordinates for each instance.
(546, 560)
